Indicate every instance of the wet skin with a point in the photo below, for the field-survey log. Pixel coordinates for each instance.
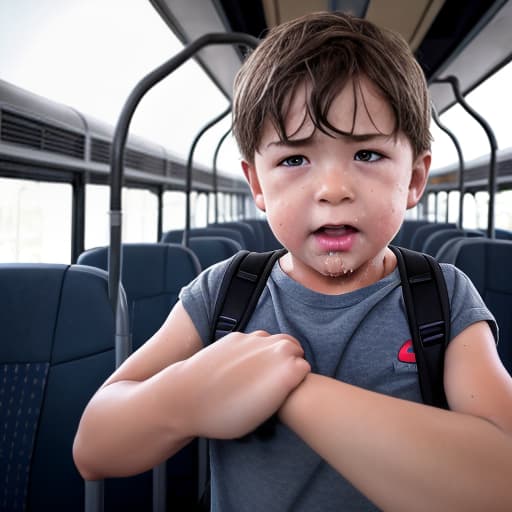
(334, 201)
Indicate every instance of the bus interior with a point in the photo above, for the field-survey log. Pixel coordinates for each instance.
(85, 283)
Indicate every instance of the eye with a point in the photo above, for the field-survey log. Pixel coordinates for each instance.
(294, 161)
(366, 155)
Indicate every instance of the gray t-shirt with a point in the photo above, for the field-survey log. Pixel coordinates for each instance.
(361, 338)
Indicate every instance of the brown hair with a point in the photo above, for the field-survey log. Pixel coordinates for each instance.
(327, 50)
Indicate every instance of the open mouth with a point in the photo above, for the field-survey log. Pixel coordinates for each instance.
(336, 238)
(336, 231)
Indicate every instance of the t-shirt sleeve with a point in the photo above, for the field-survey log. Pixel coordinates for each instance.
(466, 304)
(200, 295)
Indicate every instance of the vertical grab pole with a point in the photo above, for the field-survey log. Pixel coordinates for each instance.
(454, 82)
(215, 175)
(94, 494)
(188, 186)
(461, 165)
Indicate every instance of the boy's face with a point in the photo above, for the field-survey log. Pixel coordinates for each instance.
(336, 202)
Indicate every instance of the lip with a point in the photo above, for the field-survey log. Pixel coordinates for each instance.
(335, 237)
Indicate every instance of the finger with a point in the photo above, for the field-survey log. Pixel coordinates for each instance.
(288, 342)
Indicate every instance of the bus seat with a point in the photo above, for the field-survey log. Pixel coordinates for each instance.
(435, 241)
(57, 348)
(484, 261)
(503, 234)
(212, 249)
(175, 236)
(258, 228)
(152, 275)
(250, 242)
(270, 242)
(407, 230)
(421, 234)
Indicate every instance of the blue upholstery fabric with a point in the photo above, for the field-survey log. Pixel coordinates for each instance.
(152, 276)
(503, 234)
(436, 240)
(175, 236)
(270, 242)
(259, 232)
(57, 348)
(22, 388)
(212, 249)
(407, 230)
(250, 242)
(486, 262)
(421, 234)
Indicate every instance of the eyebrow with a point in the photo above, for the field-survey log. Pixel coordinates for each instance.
(363, 137)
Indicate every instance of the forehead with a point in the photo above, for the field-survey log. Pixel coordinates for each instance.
(358, 109)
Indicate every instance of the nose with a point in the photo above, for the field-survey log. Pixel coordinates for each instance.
(334, 185)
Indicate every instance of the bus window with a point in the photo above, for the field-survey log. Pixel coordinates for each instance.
(470, 212)
(140, 214)
(96, 216)
(173, 210)
(503, 211)
(431, 207)
(453, 206)
(482, 205)
(35, 221)
(198, 212)
(140, 211)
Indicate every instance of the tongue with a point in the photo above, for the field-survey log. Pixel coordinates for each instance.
(338, 230)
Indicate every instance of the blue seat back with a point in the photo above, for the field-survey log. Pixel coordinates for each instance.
(175, 236)
(270, 242)
(436, 240)
(152, 275)
(56, 349)
(250, 241)
(503, 234)
(486, 264)
(420, 235)
(407, 230)
(259, 231)
(212, 249)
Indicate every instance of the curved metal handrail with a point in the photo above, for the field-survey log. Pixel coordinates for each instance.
(215, 175)
(188, 186)
(454, 82)
(121, 133)
(456, 143)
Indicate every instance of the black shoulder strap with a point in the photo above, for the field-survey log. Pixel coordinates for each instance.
(241, 287)
(428, 312)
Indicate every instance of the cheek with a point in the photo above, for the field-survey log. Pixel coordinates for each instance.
(391, 209)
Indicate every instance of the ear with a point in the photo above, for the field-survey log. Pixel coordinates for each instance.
(419, 178)
(254, 184)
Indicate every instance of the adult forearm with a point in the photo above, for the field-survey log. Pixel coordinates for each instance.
(402, 455)
(129, 427)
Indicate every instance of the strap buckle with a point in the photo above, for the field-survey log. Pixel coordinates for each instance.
(432, 333)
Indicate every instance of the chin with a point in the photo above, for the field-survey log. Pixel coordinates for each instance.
(336, 264)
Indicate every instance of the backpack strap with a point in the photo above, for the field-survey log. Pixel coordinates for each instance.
(240, 290)
(428, 312)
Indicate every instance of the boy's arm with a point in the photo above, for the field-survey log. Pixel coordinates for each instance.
(408, 456)
(172, 390)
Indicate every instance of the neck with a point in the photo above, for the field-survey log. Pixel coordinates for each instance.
(369, 273)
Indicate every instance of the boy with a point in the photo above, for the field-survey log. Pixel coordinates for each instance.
(332, 118)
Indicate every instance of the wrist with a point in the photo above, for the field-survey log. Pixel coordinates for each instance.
(298, 400)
